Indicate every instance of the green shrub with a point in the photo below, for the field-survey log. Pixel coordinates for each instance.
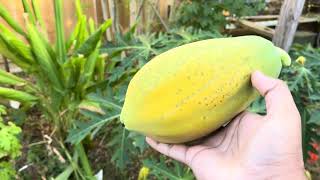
(211, 15)
(10, 147)
(59, 75)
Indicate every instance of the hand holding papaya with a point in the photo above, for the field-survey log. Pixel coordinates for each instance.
(190, 91)
(251, 146)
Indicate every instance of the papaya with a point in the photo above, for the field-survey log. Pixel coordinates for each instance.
(190, 91)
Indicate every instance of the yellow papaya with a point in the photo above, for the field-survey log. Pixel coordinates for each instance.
(189, 91)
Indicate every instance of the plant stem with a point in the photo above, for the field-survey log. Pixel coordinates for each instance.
(84, 159)
(73, 160)
(304, 143)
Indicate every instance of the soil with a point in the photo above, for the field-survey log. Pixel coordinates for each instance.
(43, 164)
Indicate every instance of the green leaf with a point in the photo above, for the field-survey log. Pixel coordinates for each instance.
(77, 135)
(9, 144)
(92, 106)
(91, 26)
(16, 45)
(122, 155)
(72, 69)
(139, 141)
(7, 171)
(161, 169)
(10, 20)
(104, 102)
(78, 9)
(60, 46)
(28, 10)
(43, 57)
(23, 50)
(65, 174)
(37, 13)
(84, 160)
(315, 118)
(7, 51)
(82, 33)
(8, 78)
(91, 43)
(72, 38)
(121, 145)
(100, 66)
(88, 72)
(12, 94)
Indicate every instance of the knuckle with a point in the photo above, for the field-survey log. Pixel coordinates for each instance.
(281, 83)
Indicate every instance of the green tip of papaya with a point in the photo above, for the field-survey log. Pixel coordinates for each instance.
(285, 58)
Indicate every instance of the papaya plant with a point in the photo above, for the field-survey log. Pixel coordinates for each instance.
(303, 81)
(58, 76)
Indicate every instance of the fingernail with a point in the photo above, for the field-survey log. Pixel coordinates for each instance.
(257, 73)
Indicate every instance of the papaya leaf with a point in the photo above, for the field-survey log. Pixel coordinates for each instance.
(84, 129)
(315, 118)
(122, 144)
(65, 174)
(161, 169)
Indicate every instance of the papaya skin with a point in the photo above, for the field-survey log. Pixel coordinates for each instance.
(190, 91)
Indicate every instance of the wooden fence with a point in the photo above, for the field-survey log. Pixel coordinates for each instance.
(147, 14)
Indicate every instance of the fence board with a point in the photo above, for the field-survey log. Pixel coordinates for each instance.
(288, 22)
(124, 13)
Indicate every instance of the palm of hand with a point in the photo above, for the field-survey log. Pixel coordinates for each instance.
(250, 144)
(247, 145)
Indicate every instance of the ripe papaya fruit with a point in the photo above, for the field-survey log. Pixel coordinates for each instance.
(190, 91)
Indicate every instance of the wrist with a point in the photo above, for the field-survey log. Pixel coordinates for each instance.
(277, 173)
(297, 175)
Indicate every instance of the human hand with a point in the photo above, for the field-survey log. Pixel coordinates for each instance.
(251, 146)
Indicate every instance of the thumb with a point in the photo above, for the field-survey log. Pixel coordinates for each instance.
(279, 101)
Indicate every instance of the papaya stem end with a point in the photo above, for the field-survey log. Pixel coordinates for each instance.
(285, 58)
